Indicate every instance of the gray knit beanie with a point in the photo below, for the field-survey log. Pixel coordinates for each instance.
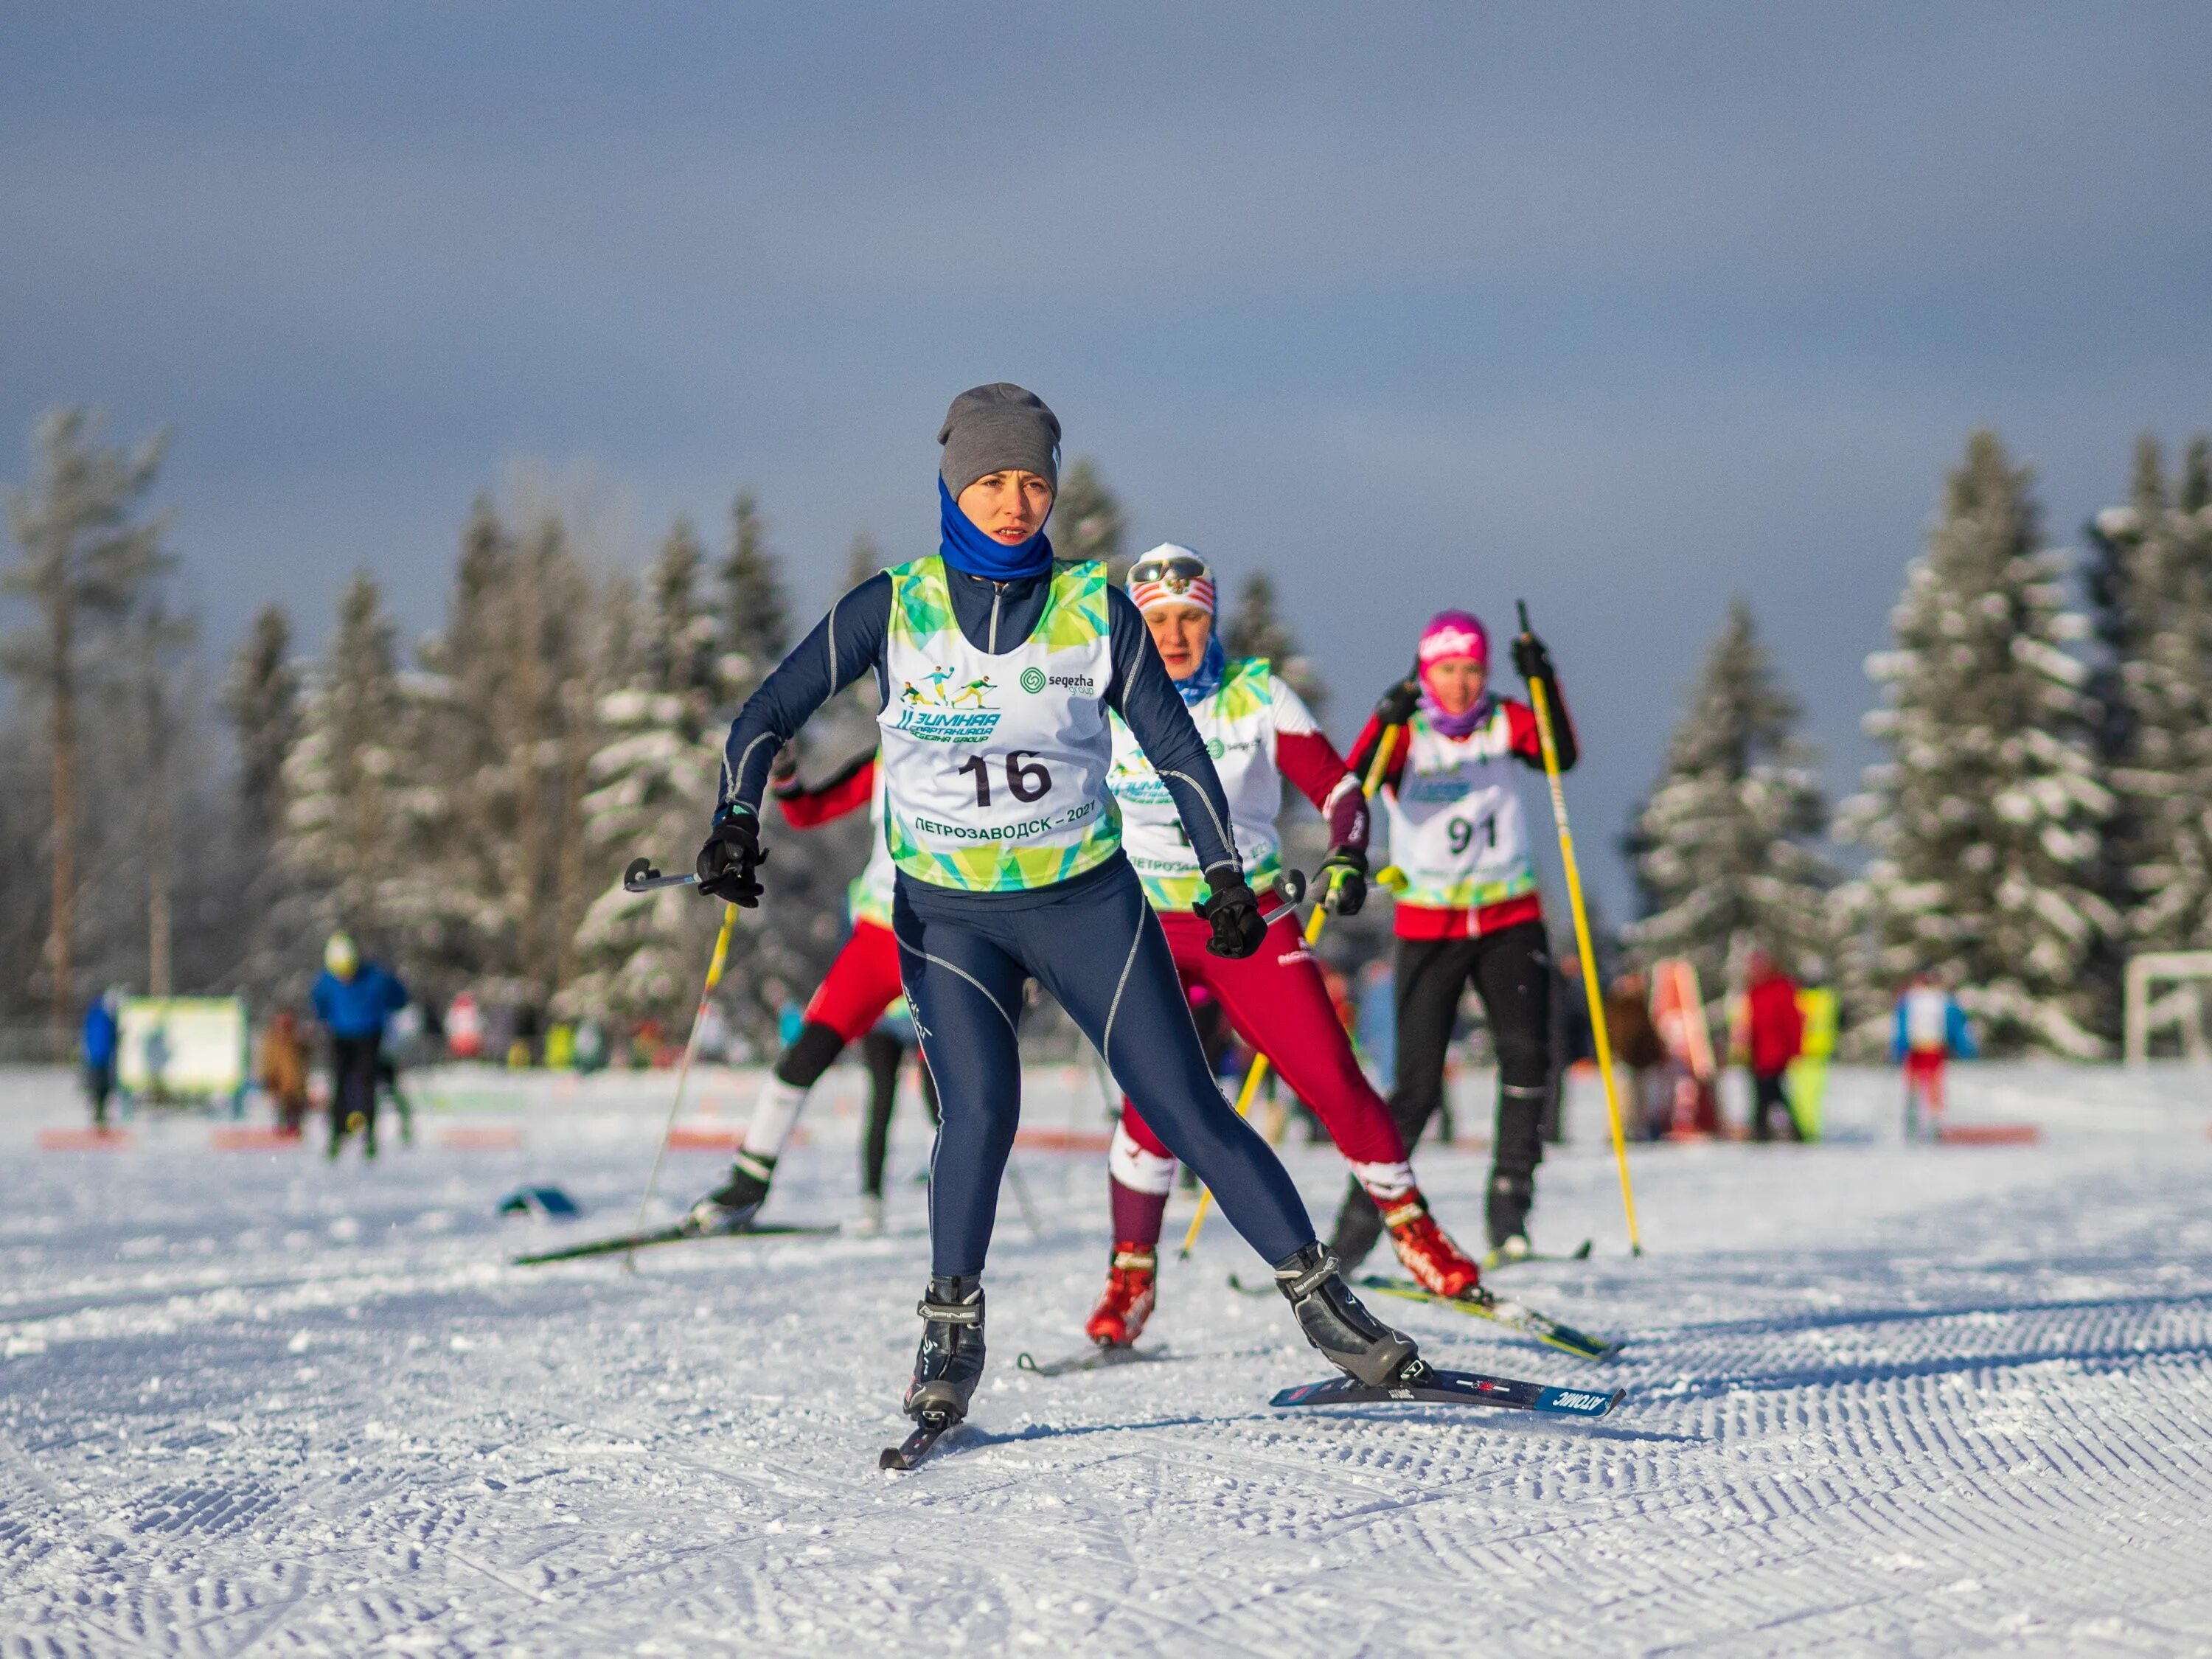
(991, 428)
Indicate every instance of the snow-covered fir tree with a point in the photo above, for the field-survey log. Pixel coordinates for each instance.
(755, 608)
(343, 778)
(1257, 628)
(782, 947)
(1724, 846)
(1087, 520)
(513, 679)
(652, 788)
(1986, 822)
(2150, 581)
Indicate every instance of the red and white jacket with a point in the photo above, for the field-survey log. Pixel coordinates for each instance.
(1457, 827)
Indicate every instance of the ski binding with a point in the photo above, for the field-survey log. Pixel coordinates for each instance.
(928, 1430)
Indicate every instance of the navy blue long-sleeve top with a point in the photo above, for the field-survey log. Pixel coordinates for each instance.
(996, 617)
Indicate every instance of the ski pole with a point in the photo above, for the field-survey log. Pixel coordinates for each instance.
(1257, 1070)
(684, 1074)
(1601, 1039)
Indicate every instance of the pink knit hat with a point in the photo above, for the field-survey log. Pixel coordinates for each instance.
(1454, 634)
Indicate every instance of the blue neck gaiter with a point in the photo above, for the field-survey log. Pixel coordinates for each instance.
(967, 549)
(1204, 679)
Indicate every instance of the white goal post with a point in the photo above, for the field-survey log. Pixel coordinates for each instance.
(2181, 974)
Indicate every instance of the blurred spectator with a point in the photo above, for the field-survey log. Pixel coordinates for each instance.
(284, 1071)
(1637, 1045)
(591, 1046)
(1931, 1029)
(465, 1027)
(1774, 1032)
(355, 999)
(102, 1025)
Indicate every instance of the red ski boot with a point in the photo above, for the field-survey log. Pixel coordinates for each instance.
(1427, 1249)
(1119, 1317)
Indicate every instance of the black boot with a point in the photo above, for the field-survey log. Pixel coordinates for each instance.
(1511, 1197)
(731, 1207)
(1336, 1322)
(949, 1362)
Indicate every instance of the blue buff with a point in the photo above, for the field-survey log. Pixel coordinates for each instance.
(966, 547)
(1205, 679)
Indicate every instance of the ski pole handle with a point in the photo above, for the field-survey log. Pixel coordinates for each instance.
(1289, 892)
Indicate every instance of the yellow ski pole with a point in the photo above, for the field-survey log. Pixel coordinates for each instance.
(1254, 1073)
(684, 1074)
(1601, 1039)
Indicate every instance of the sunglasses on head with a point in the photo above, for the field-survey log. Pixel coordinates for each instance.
(1181, 567)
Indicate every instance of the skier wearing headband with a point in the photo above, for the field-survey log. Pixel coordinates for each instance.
(1259, 732)
(1007, 843)
(1469, 910)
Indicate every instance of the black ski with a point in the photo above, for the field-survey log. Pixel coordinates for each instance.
(1454, 1388)
(1098, 1359)
(1496, 1258)
(1513, 1316)
(928, 1430)
(674, 1235)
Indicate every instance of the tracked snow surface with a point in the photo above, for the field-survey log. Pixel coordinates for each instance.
(1880, 1398)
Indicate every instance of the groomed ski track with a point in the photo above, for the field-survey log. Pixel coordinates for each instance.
(1882, 1399)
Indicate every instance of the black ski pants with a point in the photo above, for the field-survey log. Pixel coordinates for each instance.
(1768, 1096)
(1095, 944)
(882, 1053)
(1511, 972)
(353, 1086)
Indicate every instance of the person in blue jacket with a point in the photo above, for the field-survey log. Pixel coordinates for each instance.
(100, 1033)
(354, 1000)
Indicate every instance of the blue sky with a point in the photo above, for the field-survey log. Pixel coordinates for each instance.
(1619, 308)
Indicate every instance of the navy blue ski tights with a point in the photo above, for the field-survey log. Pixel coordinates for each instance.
(1094, 944)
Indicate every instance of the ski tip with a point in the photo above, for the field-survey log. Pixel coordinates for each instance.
(1579, 1402)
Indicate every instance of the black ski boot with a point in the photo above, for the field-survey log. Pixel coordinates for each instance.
(731, 1207)
(1339, 1325)
(1512, 1198)
(949, 1362)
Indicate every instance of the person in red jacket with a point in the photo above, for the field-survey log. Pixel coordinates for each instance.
(1262, 735)
(1774, 1033)
(1468, 912)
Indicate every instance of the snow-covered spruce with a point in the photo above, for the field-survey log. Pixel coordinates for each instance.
(1986, 820)
(2151, 584)
(1722, 844)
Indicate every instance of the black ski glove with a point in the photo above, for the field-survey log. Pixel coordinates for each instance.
(728, 859)
(1396, 706)
(1533, 660)
(1233, 912)
(1351, 885)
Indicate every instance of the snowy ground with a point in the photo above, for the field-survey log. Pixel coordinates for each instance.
(1880, 1398)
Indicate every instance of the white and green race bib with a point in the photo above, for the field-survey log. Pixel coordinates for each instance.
(1238, 723)
(1456, 825)
(994, 766)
